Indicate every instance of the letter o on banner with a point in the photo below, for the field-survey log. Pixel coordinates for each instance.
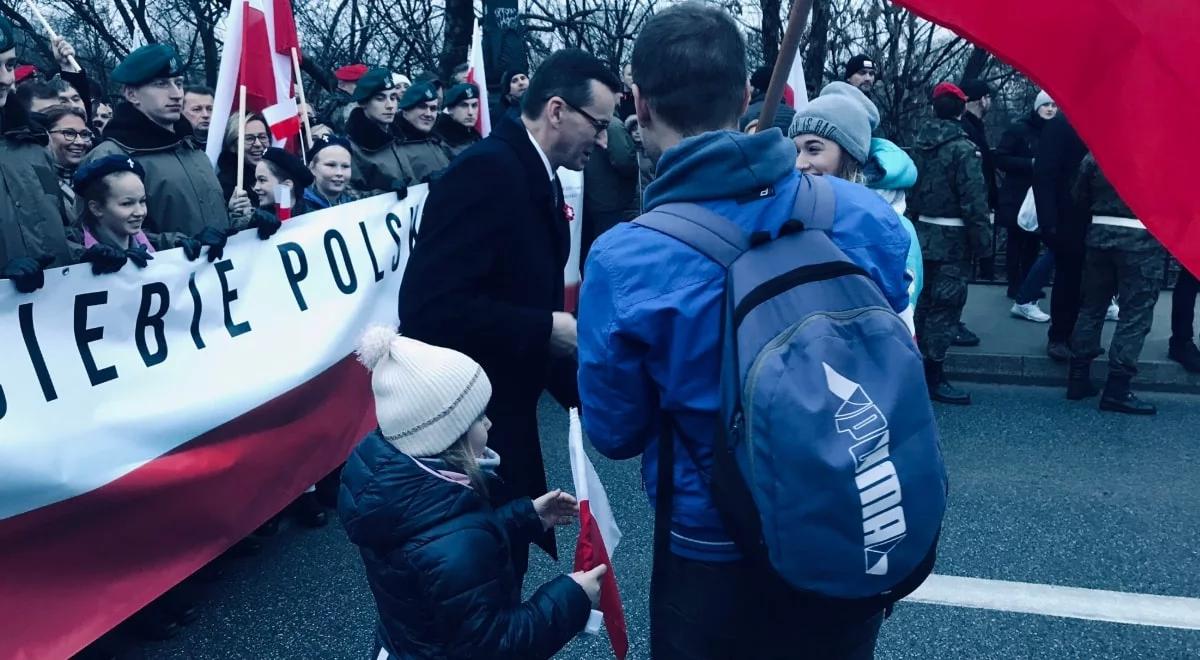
(349, 283)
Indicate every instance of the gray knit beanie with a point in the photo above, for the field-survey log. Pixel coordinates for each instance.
(846, 89)
(1043, 98)
(838, 118)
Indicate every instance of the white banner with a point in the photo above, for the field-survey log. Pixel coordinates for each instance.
(155, 357)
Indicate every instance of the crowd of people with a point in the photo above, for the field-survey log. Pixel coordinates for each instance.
(483, 332)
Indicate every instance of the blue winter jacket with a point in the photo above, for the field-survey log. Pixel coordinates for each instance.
(890, 171)
(650, 309)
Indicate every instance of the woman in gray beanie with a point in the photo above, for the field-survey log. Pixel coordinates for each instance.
(833, 136)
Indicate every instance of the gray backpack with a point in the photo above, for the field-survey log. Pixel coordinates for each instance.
(827, 465)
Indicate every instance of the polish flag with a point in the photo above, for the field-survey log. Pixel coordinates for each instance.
(598, 537)
(476, 76)
(796, 84)
(252, 57)
(1115, 69)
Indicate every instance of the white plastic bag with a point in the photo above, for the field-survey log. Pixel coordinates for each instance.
(1027, 216)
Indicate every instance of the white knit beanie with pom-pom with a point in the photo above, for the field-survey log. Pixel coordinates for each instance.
(426, 397)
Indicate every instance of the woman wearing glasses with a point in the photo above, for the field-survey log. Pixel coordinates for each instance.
(258, 138)
(70, 141)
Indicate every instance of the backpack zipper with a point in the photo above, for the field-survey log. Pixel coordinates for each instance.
(778, 342)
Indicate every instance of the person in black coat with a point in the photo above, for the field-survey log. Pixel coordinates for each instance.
(414, 498)
(486, 273)
(1014, 157)
(1063, 226)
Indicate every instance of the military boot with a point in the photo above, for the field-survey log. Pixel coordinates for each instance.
(1118, 398)
(1079, 380)
(940, 389)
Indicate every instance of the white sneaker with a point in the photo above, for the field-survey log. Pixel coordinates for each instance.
(1114, 312)
(1030, 312)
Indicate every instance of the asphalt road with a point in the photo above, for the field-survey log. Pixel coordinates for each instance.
(1042, 491)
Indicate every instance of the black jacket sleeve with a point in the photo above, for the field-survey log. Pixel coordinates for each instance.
(478, 618)
(520, 521)
(1012, 154)
(445, 293)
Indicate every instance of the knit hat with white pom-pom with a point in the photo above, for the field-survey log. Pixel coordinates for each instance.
(426, 397)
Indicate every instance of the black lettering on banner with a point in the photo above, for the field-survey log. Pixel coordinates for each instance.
(197, 309)
(371, 252)
(295, 272)
(414, 220)
(394, 225)
(348, 286)
(229, 295)
(29, 334)
(85, 336)
(146, 320)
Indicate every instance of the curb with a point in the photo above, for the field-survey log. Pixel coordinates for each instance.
(1153, 376)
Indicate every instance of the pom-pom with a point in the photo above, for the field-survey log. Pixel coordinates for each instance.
(375, 344)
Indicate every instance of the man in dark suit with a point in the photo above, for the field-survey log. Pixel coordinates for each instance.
(486, 274)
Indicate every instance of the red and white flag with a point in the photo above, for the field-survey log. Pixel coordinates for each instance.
(257, 55)
(795, 83)
(478, 77)
(598, 537)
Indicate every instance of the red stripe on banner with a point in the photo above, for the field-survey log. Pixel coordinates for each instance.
(72, 571)
(590, 553)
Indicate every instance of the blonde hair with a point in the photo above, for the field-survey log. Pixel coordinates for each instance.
(231, 130)
(460, 457)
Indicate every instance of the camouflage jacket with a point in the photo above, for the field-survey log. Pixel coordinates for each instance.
(1093, 192)
(950, 185)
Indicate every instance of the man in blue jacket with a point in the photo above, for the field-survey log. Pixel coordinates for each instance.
(649, 334)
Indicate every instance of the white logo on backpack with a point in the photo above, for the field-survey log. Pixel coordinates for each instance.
(875, 475)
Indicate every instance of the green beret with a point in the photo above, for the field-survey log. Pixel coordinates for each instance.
(417, 94)
(146, 64)
(6, 35)
(373, 82)
(461, 92)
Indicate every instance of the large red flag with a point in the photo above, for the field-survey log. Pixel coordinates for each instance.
(1122, 72)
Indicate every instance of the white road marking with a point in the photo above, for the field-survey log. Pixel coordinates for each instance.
(1051, 600)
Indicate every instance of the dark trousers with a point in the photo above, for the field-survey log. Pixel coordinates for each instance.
(1183, 308)
(723, 611)
(1023, 250)
(1067, 294)
(1036, 279)
(1136, 279)
(940, 306)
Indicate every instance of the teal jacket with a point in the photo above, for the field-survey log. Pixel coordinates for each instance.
(890, 172)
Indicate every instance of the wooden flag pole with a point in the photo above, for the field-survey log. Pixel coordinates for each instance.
(49, 30)
(241, 143)
(797, 21)
(306, 140)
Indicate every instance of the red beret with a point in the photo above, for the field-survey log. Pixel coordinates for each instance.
(350, 72)
(949, 89)
(24, 72)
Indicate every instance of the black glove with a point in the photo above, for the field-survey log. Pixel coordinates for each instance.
(27, 274)
(215, 239)
(400, 188)
(191, 248)
(104, 259)
(139, 256)
(266, 222)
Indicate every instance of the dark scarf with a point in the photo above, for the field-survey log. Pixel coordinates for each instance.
(454, 133)
(134, 131)
(366, 133)
(409, 134)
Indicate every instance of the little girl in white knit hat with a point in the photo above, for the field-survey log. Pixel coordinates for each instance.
(437, 554)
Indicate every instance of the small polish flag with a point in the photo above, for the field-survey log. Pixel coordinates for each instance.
(598, 537)
(477, 77)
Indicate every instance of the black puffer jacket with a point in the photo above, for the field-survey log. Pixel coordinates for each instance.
(1014, 158)
(438, 562)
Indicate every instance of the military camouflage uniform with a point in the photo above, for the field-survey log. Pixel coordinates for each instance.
(950, 184)
(1123, 261)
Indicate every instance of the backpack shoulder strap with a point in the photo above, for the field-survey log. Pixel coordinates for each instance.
(701, 229)
(815, 203)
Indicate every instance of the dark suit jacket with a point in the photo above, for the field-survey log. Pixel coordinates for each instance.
(485, 275)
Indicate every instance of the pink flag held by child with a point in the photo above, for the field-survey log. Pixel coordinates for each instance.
(598, 537)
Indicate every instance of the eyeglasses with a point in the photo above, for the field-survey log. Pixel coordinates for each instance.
(598, 124)
(71, 135)
(261, 137)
